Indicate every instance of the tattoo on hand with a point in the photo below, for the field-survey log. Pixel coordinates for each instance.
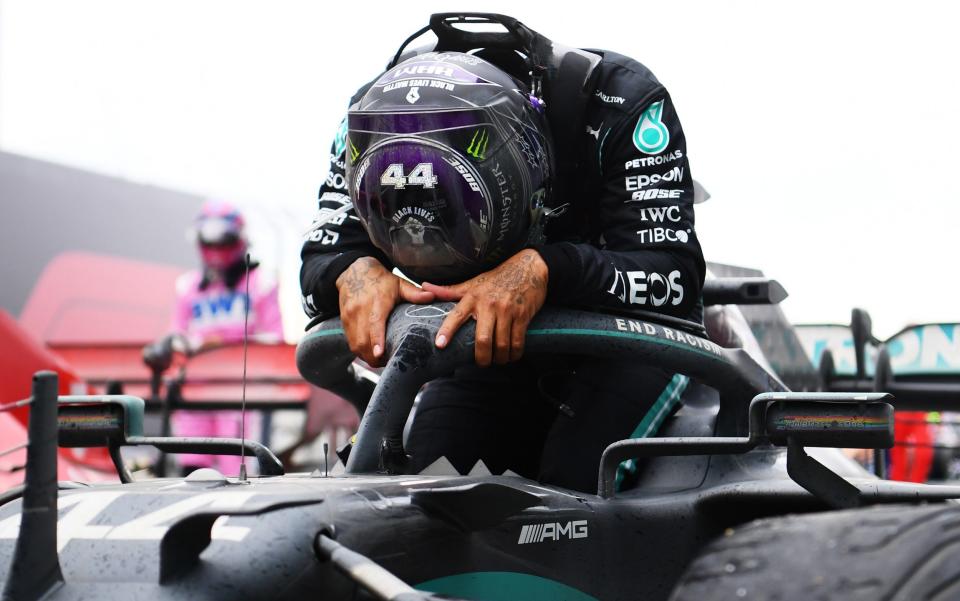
(359, 274)
(518, 281)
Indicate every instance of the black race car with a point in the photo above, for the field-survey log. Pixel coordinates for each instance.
(740, 497)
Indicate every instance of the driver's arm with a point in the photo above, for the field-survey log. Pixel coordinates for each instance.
(644, 254)
(344, 273)
(335, 240)
(647, 256)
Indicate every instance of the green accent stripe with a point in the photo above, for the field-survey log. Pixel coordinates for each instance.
(322, 333)
(652, 421)
(631, 335)
(503, 586)
(574, 332)
(665, 402)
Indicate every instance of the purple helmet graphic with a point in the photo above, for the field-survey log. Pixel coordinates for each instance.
(448, 165)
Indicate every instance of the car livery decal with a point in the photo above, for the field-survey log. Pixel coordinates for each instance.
(87, 515)
(555, 531)
(639, 330)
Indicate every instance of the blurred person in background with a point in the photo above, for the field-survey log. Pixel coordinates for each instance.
(210, 310)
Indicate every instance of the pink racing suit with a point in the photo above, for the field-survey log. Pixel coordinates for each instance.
(216, 313)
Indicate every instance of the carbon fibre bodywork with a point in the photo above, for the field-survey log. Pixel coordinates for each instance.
(140, 540)
(477, 536)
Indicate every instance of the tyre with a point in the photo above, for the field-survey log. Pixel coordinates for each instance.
(890, 553)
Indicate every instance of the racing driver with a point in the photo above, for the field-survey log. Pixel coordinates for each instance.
(501, 178)
(210, 311)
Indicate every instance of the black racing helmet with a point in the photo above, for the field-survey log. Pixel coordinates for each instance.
(448, 165)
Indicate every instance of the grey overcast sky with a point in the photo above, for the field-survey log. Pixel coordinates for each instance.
(827, 132)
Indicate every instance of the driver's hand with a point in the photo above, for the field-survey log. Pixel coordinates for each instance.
(502, 301)
(368, 293)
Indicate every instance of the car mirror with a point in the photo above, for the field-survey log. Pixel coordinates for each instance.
(98, 421)
(831, 420)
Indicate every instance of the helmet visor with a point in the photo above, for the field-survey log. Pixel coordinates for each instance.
(217, 231)
(471, 133)
(424, 204)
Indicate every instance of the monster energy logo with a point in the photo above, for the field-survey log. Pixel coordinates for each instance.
(651, 135)
(478, 145)
(354, 151)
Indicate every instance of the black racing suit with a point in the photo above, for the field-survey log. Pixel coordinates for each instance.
(620, 235)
